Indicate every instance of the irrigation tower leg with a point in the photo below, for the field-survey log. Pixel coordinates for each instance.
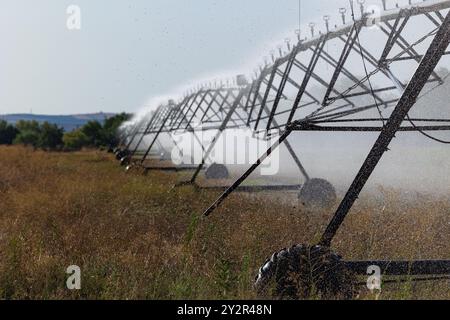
(133, 136)
(238, 182)
(156, 137)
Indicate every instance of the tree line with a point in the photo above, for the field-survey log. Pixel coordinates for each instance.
(50, 137)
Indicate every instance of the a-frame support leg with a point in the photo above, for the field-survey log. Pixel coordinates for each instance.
(238, 182)
(156, 137)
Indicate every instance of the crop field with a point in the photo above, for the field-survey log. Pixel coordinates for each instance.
(135, 236)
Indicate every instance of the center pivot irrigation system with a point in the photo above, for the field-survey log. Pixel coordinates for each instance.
(398, 51)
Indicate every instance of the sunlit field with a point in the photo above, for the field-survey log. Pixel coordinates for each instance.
(135, 236)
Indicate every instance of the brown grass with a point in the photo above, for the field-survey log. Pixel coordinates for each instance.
(136, 237)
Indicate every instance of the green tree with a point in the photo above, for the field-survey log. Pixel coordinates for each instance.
(23, 125)
(93, 130)
(50, 136)
(27, 138)
(116, 121)
(110, 128)
(75, 140)
(46, 136)
(29, 133)
(7, 133)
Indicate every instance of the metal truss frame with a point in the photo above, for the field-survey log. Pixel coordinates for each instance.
(264, 104)
(424, 74)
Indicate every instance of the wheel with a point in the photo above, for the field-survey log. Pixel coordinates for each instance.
(120, 154)
(304, 272)
(317, 193)
(125, 161)
(217, 172)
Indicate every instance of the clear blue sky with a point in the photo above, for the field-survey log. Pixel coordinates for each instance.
(130, 50)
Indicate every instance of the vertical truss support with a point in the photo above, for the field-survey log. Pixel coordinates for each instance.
(393, 36)
(257, 87)
(312, 65)
(284, 80)
(199, 105)
(221, 105)
(222, 128)
(352, 37)
(186, 109)
(184, 113)
(407, 48)
(213, 101)
(267, 92)
(424, 71)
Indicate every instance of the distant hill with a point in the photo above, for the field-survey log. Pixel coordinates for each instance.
(68, 122)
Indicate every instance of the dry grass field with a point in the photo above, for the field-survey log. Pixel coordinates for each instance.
(137, 237)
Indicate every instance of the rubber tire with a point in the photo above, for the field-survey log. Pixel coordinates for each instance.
(120, 154)
(317, 193)
(217, 172)
(125, 161)
(304, 272)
